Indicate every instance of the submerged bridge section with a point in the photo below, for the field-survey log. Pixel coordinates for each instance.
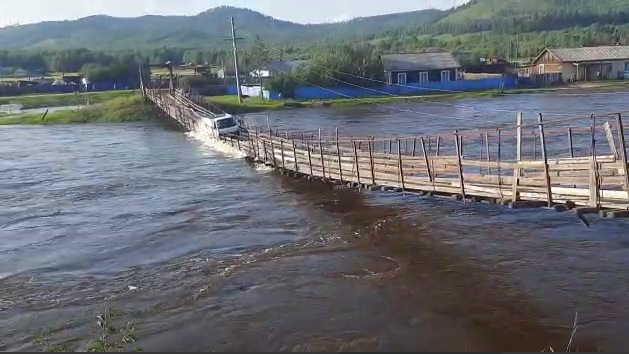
(574, 162)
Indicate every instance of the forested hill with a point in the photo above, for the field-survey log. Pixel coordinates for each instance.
(205, 30)
(517, 29)
(532, 15)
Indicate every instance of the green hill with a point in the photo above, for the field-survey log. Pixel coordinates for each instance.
(517, 29)
(532, 15)
(204, 30)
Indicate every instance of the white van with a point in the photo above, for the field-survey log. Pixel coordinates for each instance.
(222, 125)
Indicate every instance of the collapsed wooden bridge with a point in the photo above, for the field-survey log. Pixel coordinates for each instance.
(556, 163)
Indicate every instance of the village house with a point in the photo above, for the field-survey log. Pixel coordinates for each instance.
(416, 68)
(583, 63)
(278, 67)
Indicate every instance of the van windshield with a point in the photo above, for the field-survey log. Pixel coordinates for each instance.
(225, 123)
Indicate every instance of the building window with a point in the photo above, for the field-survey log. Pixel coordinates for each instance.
(389, 79)
(627, 66)
(445, 75)
(423, 77)
(541, 69)
(401, 78)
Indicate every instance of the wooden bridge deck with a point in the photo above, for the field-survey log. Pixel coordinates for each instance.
(523, 165)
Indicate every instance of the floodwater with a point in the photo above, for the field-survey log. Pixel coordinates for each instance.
(204, 252)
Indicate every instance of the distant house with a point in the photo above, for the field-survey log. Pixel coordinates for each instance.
(20, 73)
(583, 63)
(229, 73)
(402, 69)
(277, 67)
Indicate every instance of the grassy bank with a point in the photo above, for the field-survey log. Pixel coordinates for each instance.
(120, 109)
(64, 99)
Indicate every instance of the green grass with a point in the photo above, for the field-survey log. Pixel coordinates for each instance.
(64, 99)
(116, 110)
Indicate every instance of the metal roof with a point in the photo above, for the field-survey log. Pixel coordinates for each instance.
(419, 61)
(591, 53)
(284, 65)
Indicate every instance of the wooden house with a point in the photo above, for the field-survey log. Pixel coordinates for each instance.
(583, 63)
(415, 68)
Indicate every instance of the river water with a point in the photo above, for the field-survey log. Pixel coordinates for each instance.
(204, 252)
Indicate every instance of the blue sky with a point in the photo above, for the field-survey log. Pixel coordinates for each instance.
(29, 11)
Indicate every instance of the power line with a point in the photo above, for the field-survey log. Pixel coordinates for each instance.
(503, 125)
(408, 86)
(378, 104)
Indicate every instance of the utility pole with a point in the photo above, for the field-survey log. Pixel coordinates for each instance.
(234, 39)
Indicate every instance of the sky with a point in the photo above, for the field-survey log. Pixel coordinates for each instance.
(29, 11)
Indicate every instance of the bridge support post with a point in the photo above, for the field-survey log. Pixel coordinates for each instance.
(594, 185)
(488, 157)
(623, 154)
(309, 158)
(400, 168)
(295, 157)
(356, 162)
(457, 142)
(371, 167)
(518, 158)
(428, 169)
(338, 154)
(542, 141)
(570, 142)
(321, 154)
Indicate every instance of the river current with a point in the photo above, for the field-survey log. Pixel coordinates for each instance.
(205, 252)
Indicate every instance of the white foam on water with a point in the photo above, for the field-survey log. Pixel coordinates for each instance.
(217, 145)
(260, 167)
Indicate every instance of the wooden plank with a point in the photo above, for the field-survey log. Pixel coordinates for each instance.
(610, 139)
(623, 154)
(338, 153)
(570, 142)
(487, 154)
(356, 162)
(321, 153)
(542, 141)
(594, 195)
(425, 153)
(371, 166)
(460, 165)
(282, 153)
(518, 157)
(309, 157)
(295, 156)
(399, 156)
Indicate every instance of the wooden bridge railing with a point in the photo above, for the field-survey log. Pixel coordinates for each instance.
(583, 164)
(583, 160)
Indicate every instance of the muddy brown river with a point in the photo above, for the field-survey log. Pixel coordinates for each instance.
(205, 252)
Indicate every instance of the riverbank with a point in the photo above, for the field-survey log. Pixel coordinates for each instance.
(65, 99)
(256, 104)
(114, 110)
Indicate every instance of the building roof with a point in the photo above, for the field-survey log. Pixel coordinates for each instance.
(582, 54)
(419, 61)
(284, 65)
